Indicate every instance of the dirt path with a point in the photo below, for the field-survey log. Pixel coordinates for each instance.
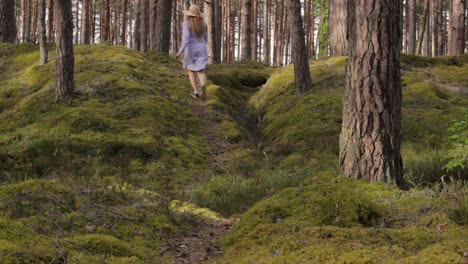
(203, 244)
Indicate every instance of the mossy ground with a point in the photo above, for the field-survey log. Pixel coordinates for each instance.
(94, 178)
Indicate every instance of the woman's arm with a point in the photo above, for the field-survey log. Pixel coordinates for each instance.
(185, 36)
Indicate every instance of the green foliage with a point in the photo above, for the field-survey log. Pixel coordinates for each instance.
(234, 194)
(458, 156)
(341, 220)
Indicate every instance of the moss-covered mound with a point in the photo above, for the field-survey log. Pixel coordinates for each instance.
(341, 220)
(303, 131)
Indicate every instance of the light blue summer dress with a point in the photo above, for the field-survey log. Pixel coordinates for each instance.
(195, 52)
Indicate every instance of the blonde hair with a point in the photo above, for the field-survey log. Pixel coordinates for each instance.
(197, 26)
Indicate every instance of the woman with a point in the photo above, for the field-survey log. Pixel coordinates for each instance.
(194, 38)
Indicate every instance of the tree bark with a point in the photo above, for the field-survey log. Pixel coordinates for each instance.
(370, 136)
(246, 53)
(162, 42)
(412, 27)
(136, 32)
(50, 21)
(310, 30)
(76, 28)
(86, 16)
(337, 27)
(145, 26)
(254, 29)
(423, 27)
(105, 20)
(42, 33)
(427, 33)
(26, 21)
(456, 43)
(209, 19)
(218, 31)
(35, 16)
(123, 35)
(266, 33)
(302, 79)
(64, 83)
(7, 21)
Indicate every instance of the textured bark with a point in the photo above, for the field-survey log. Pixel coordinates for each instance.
(278, 33)
(422, 28)
(310, 29)
(456, 43)
(412, 27)
(86, 17)
(218, 26)
(42, 33)
(64, 83)
(228, 43)
(26, 20)
(266, 33)
(105, 20)
(254, 29)
(123, 34)
(337, 27)
(152, 21)
(50, 22)
(35, 17)
(246, 53)
(370, 136)
(162, 42)
(286, 35)
(302, 80)
(427, 33)
(145, 25)
(136, 32)
(209, 19)
(7, 21)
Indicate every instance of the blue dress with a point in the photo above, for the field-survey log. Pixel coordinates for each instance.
(195, 52)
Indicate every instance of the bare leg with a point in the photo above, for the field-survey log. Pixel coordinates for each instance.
(202, 77)
(193, 81)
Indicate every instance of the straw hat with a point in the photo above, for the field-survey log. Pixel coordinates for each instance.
(194, 11)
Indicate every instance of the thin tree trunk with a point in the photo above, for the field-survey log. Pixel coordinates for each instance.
(370, 136)
(427, 33)
(152, 21)
(50, 22)
(163, 27)
(337, 27)
(42, 33)
(218, 26)
(302, 79)
(266, 33)
(422, 28)
(412, 27)
(64, 83)
(77, 7)
(86, 16)
(279, 33)
(144, 27)
(254, 29)
(246, 53)
(228, 46)
(136, 32)
(26, 20)
(209, 19)
(7, 21)
(123, 35)
(34, 21)
(105, 20)
(456, 43)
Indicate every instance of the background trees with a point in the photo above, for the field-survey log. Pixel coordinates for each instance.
(7, 21)
(239, 29)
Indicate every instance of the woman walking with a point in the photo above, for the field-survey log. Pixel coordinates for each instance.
(194, 38)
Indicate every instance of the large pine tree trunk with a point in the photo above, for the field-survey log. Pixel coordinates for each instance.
(162, 42)
(35, 16)
(246, 52)
(7, 21)
(136, 32)
(310, 30)
(439, 25)
(412, 27)
(370, 136)
(427, 33)
(64, 84)
(86, 17)
(456, 43)
(303, 80)
(218, 26)
(42, 33)
(337, 27)
(123, 34)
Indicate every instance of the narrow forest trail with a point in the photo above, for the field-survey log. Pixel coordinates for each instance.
(204, 243)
